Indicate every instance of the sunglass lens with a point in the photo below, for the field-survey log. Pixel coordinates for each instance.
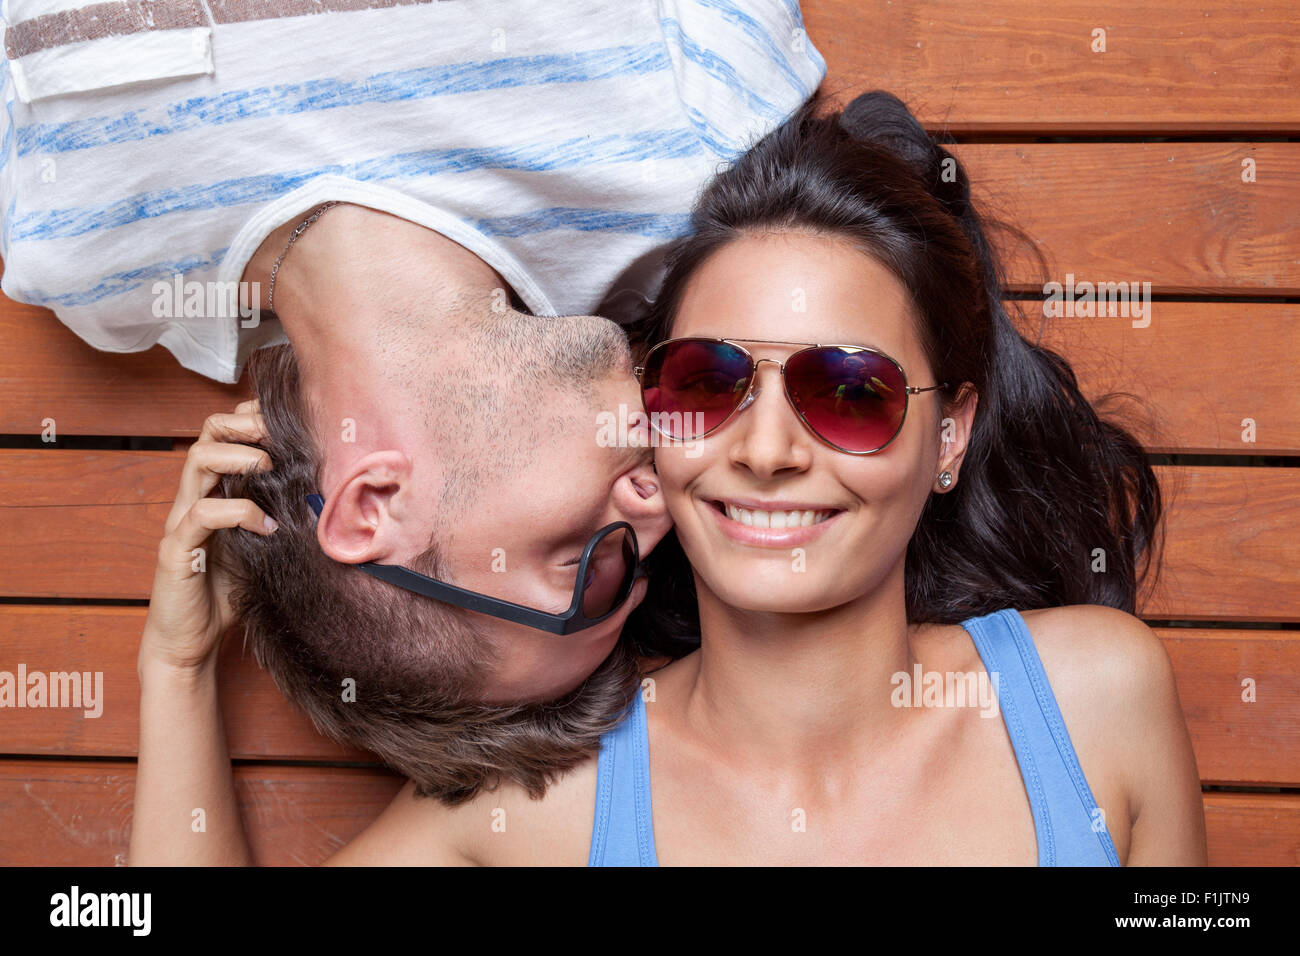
(690, 387)
(609, 574)
(853, 398)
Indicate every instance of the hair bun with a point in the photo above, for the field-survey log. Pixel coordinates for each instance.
(883, 119)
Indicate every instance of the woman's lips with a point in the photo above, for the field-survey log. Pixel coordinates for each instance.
(769, 537)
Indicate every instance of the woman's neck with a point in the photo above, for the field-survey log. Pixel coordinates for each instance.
(798, 691)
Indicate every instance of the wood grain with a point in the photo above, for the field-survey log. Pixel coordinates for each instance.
(1008, 66)
(79, 814)
(260, 723)
(87, 524)
(46, 371)
(1202, 378)
(1176, 215)
(1232, 550)
(1236, 742)
(1240, 693)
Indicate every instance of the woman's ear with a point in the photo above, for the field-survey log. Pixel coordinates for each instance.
(361, 518)
(955, 431)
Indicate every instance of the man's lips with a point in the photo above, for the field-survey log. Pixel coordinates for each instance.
(774, 524)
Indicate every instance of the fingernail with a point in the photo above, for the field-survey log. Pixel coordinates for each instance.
(270, 523)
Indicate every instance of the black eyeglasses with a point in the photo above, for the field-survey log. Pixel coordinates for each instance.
(610, 565)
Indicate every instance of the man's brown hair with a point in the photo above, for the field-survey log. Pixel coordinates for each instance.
(418, 664)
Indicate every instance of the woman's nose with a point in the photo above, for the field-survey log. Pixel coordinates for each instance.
(770, 438)
(756, 387)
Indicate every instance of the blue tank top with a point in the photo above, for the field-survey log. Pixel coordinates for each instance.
(622, 833)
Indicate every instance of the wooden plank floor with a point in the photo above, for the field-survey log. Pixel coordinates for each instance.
(1122, 165)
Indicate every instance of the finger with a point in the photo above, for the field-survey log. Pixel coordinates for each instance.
(238, 427)
(205, 464)
(206, 516)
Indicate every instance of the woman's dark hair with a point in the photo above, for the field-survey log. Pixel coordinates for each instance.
(1045, 481)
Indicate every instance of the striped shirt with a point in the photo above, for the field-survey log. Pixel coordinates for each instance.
(148, 149)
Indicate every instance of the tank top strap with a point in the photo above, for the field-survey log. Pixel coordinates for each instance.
(1070, 828)
(622, 831)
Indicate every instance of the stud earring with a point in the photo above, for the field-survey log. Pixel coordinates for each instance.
(945, 479)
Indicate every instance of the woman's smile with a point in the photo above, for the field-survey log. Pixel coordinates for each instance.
(775, 524)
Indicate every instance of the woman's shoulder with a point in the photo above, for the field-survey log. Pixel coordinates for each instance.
(1108, 670)
(1089, 648)
(505, 826)
(1103, 647)
(1114, 686)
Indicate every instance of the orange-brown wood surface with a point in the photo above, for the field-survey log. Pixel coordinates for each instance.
(80, 813)
(1252, 829)
(1240, 691)
(86, 524)
(1231, 547)
(1213, 373)
(49, 373)
(1204, 377)
(1177, 215)
(1018, 66)
(260, 722)
(68, 813)
(83, 523)
(1238, 740)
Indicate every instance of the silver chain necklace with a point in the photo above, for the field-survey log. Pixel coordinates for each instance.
(293, 237)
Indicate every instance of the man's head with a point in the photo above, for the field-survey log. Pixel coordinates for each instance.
(457, 436)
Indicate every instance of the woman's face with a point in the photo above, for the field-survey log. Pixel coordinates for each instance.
(807, 289)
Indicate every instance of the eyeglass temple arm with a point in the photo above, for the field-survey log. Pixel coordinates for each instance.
(450, 594)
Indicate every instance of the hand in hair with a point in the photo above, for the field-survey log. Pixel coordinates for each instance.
(189, 606)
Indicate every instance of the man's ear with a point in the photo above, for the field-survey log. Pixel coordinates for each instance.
(361, 520)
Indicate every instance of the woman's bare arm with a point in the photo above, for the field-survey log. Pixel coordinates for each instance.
(1115, 687)
(185, 807)
(1165, 789)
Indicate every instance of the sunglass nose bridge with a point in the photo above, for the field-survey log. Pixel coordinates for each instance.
(755, 386)
(750, 396)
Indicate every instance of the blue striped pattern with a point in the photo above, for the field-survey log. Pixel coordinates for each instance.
(754, 30)
(719, 69)
(9, 217)
(121, 282)
(6, 145)
(738, 70)
(331, 93)
(712, 139)
(662, 226)
(533, 157)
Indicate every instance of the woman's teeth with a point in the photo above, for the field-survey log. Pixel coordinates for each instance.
(777, 519)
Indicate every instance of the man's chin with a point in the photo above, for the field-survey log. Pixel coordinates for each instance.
(552, 673)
